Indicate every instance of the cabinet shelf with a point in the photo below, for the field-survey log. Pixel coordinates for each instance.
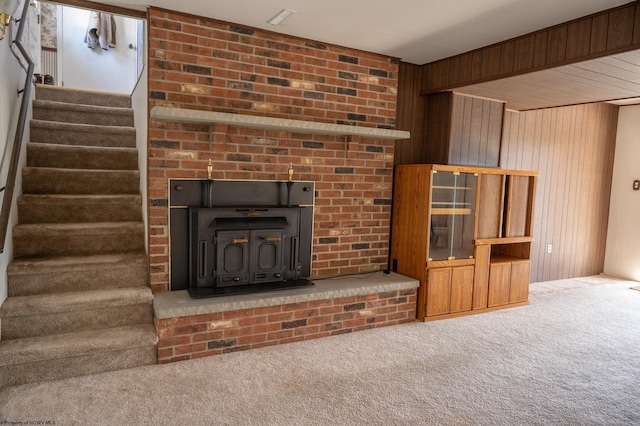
(450, 203)
(503, 240)
(448, 211)
(452, 187)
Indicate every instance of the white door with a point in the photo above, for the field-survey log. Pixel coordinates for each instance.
(111, 70)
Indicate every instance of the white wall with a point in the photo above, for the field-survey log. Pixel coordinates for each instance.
(622, 258)
(112, 70)
(12, 79)
(140, 105)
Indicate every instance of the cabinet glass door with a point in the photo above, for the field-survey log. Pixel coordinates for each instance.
(453, 205)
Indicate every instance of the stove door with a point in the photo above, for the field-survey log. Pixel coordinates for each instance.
(232, 257)
(267, 246)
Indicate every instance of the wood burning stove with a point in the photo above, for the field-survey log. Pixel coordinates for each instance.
(242, 236)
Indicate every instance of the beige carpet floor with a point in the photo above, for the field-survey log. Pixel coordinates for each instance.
(568, 358)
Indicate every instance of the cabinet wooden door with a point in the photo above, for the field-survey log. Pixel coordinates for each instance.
(481, 278)
(438, 291)
(499, 283)
(519, 203)
(520, 274)
(461, 289)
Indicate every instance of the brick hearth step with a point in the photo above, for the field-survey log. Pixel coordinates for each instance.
(84, 97)
(77, 239)
(32, 276)
(37, 359)
(39, 315)
(42, 180)
(63, 208)
(86, 114)
(82, 134)
(81, 157)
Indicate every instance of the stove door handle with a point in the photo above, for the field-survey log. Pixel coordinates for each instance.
(271, 239)
(202, 259)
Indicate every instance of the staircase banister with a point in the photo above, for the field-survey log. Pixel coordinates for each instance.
(7, 198)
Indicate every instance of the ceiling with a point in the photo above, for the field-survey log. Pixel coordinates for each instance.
(415, 31)
(422, 31)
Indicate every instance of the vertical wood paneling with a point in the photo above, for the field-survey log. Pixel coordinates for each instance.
(572, 148)
(492, 148)
(463, 130)
(636, 28)
(620, 32)
(437, 128)
(410, 114)
(466, 67)
(476, 65)
(506, 57)
(599, 28)
(490, 61)
(460, 109)
(540, 49)
(523, 58)
(557, 48)
(577, 32)
(607, 32)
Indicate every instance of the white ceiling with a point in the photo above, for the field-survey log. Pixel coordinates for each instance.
(415, 31)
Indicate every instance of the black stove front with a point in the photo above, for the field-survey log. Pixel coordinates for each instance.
(233, 247)
(243, 236)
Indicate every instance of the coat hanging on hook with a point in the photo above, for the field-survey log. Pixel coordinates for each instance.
(101, 31)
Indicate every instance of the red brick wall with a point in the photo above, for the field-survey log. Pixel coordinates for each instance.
(206, 64)
(212, 334)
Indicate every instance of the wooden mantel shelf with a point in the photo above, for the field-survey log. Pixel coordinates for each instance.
(184, 115)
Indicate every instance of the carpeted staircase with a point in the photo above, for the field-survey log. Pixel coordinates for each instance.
(78, 296)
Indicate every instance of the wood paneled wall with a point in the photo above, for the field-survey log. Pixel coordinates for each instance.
(476, 130)
(410, 114)
(605, 33)
(573, 149)
(446, 128)
(462, 130)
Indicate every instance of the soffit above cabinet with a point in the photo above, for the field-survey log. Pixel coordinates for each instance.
(613, 78)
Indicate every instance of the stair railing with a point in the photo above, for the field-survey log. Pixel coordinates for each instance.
(7, 199)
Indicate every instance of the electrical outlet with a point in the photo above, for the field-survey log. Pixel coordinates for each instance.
(549, 246)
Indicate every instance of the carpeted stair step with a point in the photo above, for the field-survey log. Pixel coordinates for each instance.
(82, 114)
(33, 276)
(43, 180)
(39, 315)
(60, 356)
(83, 97)
(81, 157)
(82, 134)
(77, 239)
(79, 208)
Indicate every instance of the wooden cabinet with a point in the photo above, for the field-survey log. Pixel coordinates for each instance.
(508, 281)
(465, 233)
(449, 290)
(519, 288)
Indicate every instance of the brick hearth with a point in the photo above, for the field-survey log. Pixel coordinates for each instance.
(193, 328)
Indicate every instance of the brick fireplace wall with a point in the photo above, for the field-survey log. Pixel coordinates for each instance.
(200, 63)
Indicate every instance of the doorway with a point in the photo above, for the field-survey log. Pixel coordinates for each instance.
(71, 62)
